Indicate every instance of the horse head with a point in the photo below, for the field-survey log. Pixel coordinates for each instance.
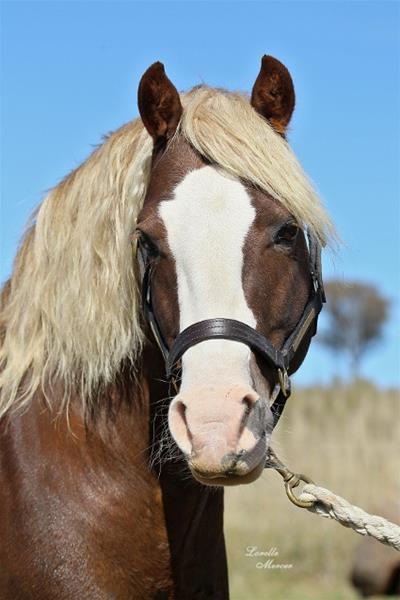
(218, 246)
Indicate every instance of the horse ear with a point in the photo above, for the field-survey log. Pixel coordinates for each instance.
(159, 104)
(273, 93)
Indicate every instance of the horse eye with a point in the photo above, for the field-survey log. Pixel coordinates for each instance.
(287, 234)
(148, 244)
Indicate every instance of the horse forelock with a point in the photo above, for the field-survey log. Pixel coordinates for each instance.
(223, 127)
(71, 310)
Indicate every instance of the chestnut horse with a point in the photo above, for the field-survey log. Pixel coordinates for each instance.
(106, 470)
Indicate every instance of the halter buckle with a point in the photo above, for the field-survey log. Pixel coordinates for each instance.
(284, 382)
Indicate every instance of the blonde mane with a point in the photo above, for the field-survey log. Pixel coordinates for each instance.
(70, 312)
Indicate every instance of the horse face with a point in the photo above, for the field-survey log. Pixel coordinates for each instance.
(220, 249)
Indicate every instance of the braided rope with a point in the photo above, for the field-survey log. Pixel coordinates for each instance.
(327, 504)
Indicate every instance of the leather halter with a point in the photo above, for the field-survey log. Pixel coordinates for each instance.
(230, 329)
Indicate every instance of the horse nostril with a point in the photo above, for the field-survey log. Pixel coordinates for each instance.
(180, 407)
(179, 427)
(248, 401)
(248, 404)
(181, 410)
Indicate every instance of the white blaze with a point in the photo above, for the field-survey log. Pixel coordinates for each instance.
(207, 222)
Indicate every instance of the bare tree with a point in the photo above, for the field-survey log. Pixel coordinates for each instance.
(356, 314)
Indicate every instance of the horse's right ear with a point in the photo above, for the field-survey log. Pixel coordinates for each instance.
(159, 104)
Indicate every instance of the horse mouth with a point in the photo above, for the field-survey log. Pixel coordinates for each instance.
(229, 478)
(242, 468)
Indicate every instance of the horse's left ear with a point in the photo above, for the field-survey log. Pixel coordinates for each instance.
(159, 104)
(273, 93)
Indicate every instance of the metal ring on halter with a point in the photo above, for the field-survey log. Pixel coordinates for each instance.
(290, 479)
(293, 482)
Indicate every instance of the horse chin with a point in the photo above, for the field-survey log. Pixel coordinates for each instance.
(229, 479)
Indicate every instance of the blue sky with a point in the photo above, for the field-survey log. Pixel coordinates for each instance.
(70, 72)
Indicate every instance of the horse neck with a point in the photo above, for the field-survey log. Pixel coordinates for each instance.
(122, 418)
(111, 449)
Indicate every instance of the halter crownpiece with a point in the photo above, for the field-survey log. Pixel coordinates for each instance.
(230, 329)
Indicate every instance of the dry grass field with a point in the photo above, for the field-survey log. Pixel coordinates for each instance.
(346, 438)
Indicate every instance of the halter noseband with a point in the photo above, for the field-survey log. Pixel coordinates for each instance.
(230, 329)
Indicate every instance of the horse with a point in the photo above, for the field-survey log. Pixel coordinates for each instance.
(161, 297)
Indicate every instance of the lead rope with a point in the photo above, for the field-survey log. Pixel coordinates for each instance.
(323, 502)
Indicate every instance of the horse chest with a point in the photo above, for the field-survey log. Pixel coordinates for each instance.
(69, 530)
